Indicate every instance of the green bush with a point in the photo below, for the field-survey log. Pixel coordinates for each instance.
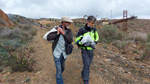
(6, 48)
(22, 61)
(18, 60)
(4, 56)
(11, 41)
(109, 33)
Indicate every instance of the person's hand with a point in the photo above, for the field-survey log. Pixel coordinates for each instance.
(60, 31)
(93, 44)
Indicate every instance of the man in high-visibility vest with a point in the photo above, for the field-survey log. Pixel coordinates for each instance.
(86, 39)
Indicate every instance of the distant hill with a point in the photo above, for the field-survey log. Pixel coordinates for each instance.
(21, 19)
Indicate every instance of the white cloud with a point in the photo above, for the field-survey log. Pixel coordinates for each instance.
(76, 8)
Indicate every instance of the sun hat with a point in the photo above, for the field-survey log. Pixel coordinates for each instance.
(66, 18)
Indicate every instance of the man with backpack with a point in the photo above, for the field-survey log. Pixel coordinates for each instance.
(60, 37)
(86, 39)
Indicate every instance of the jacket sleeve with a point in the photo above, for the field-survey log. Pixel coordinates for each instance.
(68, 36)
(96, 36)
(79, 36)
(51, 36)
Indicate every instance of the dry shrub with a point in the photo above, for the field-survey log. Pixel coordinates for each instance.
(146, 54)
(21, 60)
(141, 37)
(11, 40)
(109, 33)
(6, 33)
(120, 44)
(26, 27)
(24, 33)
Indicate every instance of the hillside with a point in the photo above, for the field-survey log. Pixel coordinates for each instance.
(4, 20)
(21, 20)
(10, 20)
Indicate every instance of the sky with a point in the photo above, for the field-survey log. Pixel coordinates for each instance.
(112, 9)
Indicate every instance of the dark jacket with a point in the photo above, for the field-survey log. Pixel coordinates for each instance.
(82, 32)
(86, 29)
(53, 36)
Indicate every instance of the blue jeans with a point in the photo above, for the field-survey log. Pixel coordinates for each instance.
(87, 57)
(60, 66)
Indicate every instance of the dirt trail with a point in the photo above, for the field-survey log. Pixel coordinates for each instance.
(107, 67)
(45, 69)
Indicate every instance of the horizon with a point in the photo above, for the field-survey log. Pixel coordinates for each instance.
(70, 17)
(77, 9)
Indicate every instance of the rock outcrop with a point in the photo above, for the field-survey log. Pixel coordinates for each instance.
(4, 20)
